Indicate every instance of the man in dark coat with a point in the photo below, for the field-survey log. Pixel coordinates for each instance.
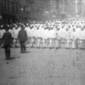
(7, 42)
(22, 37)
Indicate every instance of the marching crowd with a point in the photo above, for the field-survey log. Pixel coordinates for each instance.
(43, 34)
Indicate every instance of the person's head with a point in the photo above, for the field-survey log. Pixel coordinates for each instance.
(6, 27)
(22, 27)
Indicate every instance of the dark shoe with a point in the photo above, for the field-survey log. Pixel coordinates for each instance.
(22, 51)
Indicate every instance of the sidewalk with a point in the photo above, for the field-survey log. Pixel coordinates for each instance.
(43, 67)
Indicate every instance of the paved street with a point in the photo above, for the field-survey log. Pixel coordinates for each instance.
(43, 67)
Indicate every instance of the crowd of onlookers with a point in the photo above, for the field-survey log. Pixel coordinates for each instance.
(48, 32)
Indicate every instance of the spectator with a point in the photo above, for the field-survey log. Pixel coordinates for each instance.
(7, 41)
(22, 37)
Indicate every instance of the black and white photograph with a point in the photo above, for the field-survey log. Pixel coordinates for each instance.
(42, 42)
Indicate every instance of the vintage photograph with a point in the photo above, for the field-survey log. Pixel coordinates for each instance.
(42, 42)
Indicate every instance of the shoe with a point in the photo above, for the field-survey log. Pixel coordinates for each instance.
(10, 58)
(22, 52)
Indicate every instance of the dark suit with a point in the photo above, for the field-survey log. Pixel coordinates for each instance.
(7, 41)
(22, 36)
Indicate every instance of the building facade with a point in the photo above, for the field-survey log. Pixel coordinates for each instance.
(12, 11)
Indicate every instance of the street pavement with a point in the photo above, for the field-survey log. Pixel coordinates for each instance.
(43, 67)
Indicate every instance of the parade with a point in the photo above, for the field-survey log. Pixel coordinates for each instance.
(68, 34)
(42, 42)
